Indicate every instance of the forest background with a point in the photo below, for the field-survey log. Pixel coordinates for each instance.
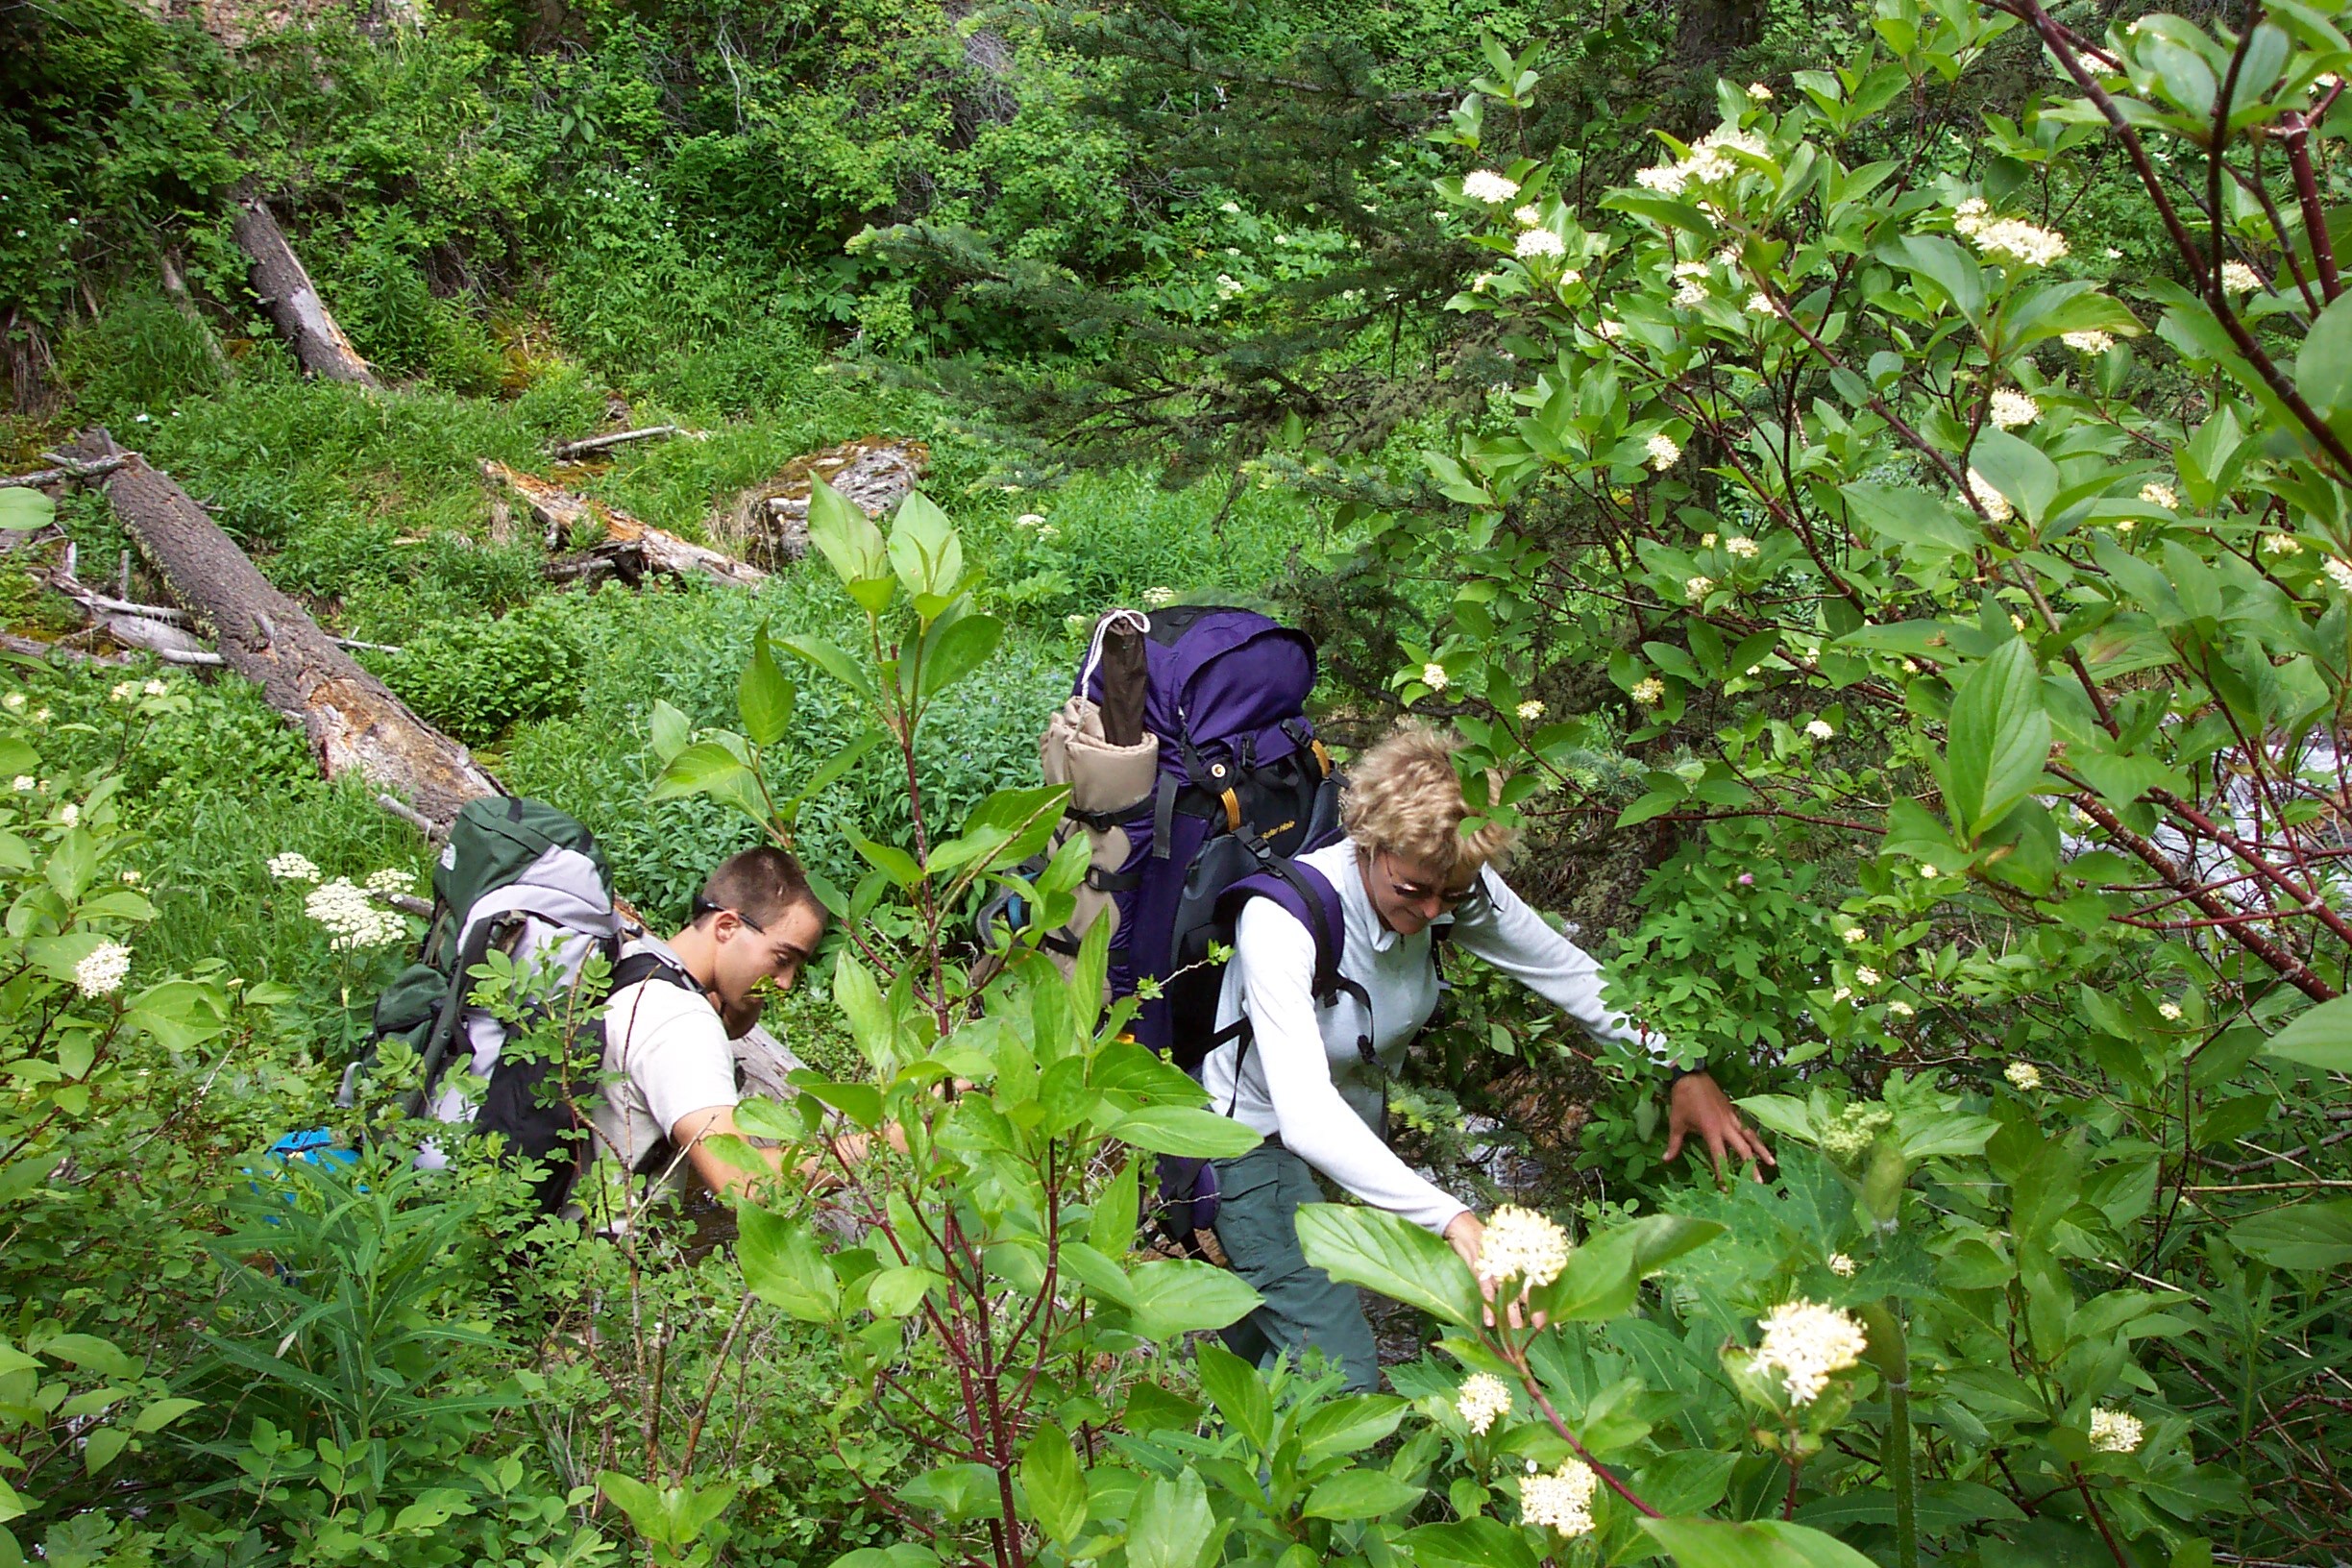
(1915, 648)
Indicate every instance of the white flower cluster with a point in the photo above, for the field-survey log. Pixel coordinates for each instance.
(1698, 588)
(1531, 709)
(2339, 572)
(1484, 1397)
(2157, 493)
(101, 973)
(352, 919)
(1434, 676)
(290, 867)
(13, 701)
(1690, 284)
(1866, 976)
(2169, 1012)
(1854, 933)
(1561, 1500)
(1758, 93)
(2281, 544)
(1486, 185)
(2089, 342)
(1900, 1009)
(2024, 1075)
(2012, 408)
(1530, 216)
(2115, 1432)
(391, 880)
(1841, 1266)
(1809, 1343)
(2237, 278)
(1228, 286)
(1648, 692)
(1524, 1245)
(1710, 162)
(1995, 505)
(1159, 598)
(1664, 453)
(1742, 547)
(1536, 242)
(1820, 729)
(2007, 240)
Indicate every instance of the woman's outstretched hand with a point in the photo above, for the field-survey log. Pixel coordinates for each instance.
(1698, 1105)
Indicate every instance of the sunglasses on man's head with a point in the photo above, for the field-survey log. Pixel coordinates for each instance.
(703, 906)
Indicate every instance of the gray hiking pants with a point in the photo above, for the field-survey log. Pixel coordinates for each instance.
(1258, 1203)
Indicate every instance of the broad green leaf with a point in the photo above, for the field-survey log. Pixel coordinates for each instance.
(96, 1355)
(923, 549)
(890, 860)
(764, 697)
(1169, 1524)
(898, 1291)
(2323, 367)
(1184, 1130)
(1769, 1543)
(1391, 1254)
(1359, 1494)
(2306, 1237)
(1053, 1485)
(847, 538)
(784, 1267)
(1953, 273)
(952, 650)
(860, 1001)
(1602, 1277)
(23, 508)
(1349, 1426)
(2121, 780)
(1111, 1226)
(1475, 1542)
(698, 770)
(833, 660)
(1997, 740)
(960, 1491)
(1912, 518)
(2017, 469)
(163, 1412)
(2318, 1037)
(1180, 1296)
(669, 732)
(99, 1449)
(1238, 1391)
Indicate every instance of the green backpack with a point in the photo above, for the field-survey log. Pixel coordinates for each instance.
(523, 878)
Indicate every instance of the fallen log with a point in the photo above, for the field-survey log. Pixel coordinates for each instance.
(355, 724)
(631, 547)
(283, 284)
(602, 443)
(768, 522)
(34, 648)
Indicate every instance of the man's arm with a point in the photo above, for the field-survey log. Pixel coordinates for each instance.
(693, 1131)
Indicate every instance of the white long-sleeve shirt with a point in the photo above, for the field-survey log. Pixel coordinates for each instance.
(1303, 1078)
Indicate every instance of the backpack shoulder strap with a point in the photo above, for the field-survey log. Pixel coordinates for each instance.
(1308, 895)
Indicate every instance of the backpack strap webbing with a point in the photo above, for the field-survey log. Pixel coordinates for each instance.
(632, 969)
(435, 1057)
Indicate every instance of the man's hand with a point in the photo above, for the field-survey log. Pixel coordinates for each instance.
(1697, 1104)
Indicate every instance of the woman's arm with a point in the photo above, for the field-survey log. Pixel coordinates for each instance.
(1276, 955)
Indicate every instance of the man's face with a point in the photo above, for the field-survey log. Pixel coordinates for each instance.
(1407, 895)
(749, 957)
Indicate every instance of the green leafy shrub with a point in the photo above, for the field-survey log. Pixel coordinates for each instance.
(138, 362)
(476, 678)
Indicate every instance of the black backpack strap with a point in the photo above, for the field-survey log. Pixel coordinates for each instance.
(470, 954)
(1318, 909)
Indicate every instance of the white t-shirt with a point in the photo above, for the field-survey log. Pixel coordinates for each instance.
(1303, 1077)
(666, 1053)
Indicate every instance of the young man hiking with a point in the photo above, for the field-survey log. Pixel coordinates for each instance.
(1313, 1079)
(679, 1006)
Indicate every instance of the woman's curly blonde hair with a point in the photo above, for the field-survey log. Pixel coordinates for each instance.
(1402, 797)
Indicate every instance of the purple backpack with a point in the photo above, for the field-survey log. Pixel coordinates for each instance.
(1243, 786)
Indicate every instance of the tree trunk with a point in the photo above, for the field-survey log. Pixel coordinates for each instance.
(285, 285)
(355, 723)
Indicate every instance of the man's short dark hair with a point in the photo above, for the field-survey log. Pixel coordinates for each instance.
(762, 885)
